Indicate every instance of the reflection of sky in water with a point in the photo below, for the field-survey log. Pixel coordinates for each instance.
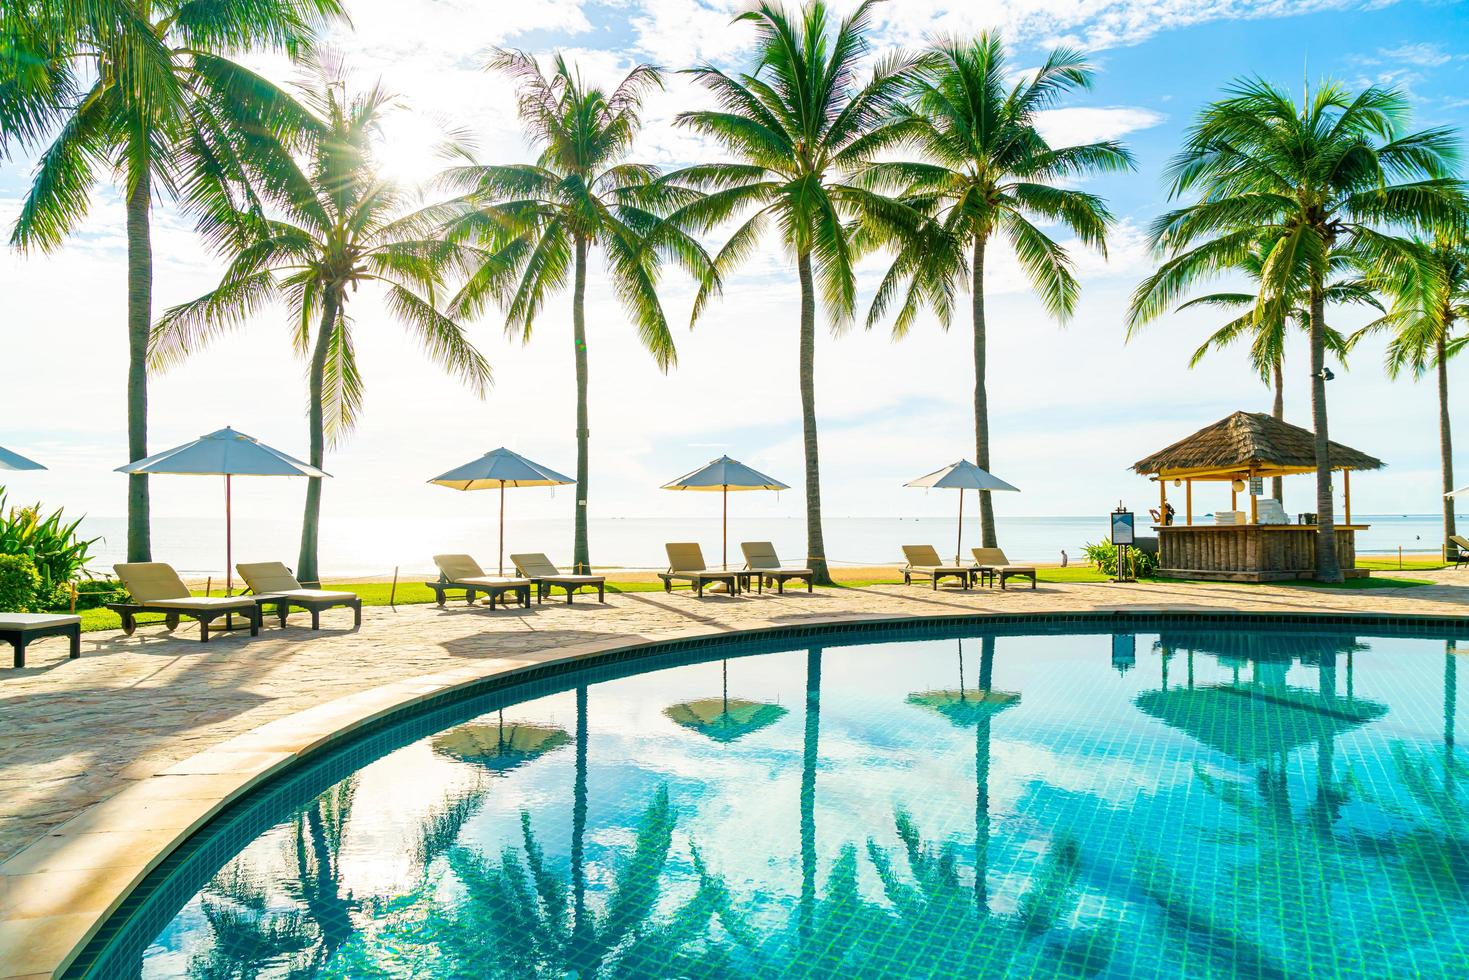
(1326, 838)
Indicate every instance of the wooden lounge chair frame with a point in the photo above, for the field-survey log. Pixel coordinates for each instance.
(273, 584)
(167, 594)
(491, 588)
(1461, 550)
(21, 635)
(763, 562)
(545, 576)
(686, 564)
(991, 563)
(923, 562)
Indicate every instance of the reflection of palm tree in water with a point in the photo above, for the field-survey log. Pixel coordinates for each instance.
(809, 753)
(318, 885)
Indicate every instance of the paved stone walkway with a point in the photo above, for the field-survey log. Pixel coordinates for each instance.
(78, 732)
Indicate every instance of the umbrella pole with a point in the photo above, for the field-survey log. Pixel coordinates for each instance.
(229, 544)
(724, 540)
(959, 539)
(502, 527)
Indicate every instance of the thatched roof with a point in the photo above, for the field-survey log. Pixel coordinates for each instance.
(1248, 441)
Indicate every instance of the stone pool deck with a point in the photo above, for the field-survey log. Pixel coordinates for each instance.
(108, 760)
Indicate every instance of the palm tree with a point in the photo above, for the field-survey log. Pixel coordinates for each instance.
(142, 90)
(342, 225)
(1319, 178)
(1430, 307)
(533, 224)
(798, 124)
(988, 171)
(1267, 333)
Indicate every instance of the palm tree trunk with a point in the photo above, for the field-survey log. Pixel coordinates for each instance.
(1277, 489)
(1327, 567)
(580, 554)
(981, 397)
(1445, 438)
(306, 569)
(815, 546)
(140, 322)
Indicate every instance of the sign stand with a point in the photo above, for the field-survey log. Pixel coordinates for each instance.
(1123, 537)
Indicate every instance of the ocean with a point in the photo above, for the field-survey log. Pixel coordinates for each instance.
(196, 546)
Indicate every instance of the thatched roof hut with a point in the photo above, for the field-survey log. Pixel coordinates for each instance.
(1252, 443)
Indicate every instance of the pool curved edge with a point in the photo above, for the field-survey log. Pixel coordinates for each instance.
(58, 892)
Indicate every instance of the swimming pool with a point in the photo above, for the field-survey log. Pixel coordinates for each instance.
(1187, 799)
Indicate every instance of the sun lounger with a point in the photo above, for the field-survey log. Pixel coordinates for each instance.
(546, 576)
(1461, 547)
(686, 564)
(992, 563)
(156, 587)
(924, 562)
(463, 572)
(273, 585)
(760, 558)
(21, 628)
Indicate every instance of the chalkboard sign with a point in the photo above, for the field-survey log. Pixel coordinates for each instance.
(1122, 527)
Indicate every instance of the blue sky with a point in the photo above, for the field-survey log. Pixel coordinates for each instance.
(1073, 406)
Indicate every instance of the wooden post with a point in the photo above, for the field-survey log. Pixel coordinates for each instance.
(1254, 501)
(1346, 483)
(1188, 500)
(1162, 500)
(1233, 496)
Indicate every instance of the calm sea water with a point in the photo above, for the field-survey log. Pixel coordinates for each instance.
(196, 546)
(1176, 804)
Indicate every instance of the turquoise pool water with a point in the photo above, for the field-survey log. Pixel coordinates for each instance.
(1185, 802)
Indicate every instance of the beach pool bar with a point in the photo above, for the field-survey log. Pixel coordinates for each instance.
(1263, 544)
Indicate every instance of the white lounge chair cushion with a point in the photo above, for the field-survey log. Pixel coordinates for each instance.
(202, 602)
(17, 621)
(494, 580)
(309, 594)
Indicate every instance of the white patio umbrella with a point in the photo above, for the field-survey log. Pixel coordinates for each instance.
(501, 468)
(15, 461)
(225, 453)
(961, 476)
(723, 475)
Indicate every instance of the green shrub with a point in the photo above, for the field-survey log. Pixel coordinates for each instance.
(58, 554)
(19, 583)
(1103, 554)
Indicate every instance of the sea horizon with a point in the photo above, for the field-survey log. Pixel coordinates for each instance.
(195, 545)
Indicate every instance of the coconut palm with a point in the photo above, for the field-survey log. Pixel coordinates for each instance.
(1430, 309)
(797, 126)
(1320, 178)
(535, 225)
(341, 226)
(988, 171)
(1267, 333)
(142, 91)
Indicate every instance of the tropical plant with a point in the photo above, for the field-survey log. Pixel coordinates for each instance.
(798, 125)
(535, 225)
(341, 225)
(1103, 555)
(1332, 174)
(1267, 328)
(142, 91)
(987, 171)
(20, 585)
(1429, 310)
(52, 544)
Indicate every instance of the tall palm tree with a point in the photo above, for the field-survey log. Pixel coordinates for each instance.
(798, 125)
(1429, 310)
(143, 91)
(535, 224)
(1267, 329)
(341, 226)
(1322, 177)
(988, 171)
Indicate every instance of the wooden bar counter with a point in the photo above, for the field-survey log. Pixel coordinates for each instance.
(1250, 552)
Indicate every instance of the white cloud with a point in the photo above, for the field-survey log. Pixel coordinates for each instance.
(1425, 55)
(1067, 127)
